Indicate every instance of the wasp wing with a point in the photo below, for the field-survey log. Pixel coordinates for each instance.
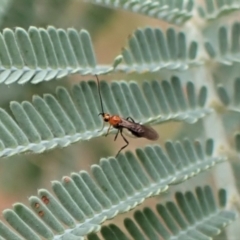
(139, 130)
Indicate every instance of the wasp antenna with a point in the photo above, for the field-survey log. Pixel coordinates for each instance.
(100, 97)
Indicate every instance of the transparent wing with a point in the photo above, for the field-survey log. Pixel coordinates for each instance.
(139, 130)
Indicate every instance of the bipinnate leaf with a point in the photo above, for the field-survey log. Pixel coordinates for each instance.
(83, 201)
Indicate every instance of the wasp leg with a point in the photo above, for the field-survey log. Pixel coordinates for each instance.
(116, 135)
(125, 140)
(102, 127)
(108, 130)
(129, 118)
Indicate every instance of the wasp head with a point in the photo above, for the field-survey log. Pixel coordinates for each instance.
(105, 116)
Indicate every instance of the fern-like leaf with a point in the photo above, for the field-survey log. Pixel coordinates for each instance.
(217, 8)
(151, 50)
(193, 216)
(227, 51)
(41, 54)
(118, 186)
(175, 11)
(63, 119)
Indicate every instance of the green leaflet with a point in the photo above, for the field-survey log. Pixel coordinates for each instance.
(232, 100)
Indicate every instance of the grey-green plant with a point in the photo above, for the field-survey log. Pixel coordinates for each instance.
(176, 217)
(191, 76)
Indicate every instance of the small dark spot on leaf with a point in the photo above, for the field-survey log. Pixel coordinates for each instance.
(45, 199)
(36, 205)
(66, 179)
(41, 213)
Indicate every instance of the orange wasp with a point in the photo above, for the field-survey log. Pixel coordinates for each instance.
(136, 129)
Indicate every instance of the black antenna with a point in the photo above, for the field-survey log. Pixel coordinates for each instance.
(100, 95)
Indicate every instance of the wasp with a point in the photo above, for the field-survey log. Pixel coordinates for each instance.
(136, 129)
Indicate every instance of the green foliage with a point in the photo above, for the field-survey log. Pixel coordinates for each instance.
(184, 78)
(237, 142)
(216, 8)
(151, 50)
(232, 100)
(117, 186)
(4, 6)
(174, 11)
(228, 47)
(41, 54)
(63, 119)
(194, 216)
